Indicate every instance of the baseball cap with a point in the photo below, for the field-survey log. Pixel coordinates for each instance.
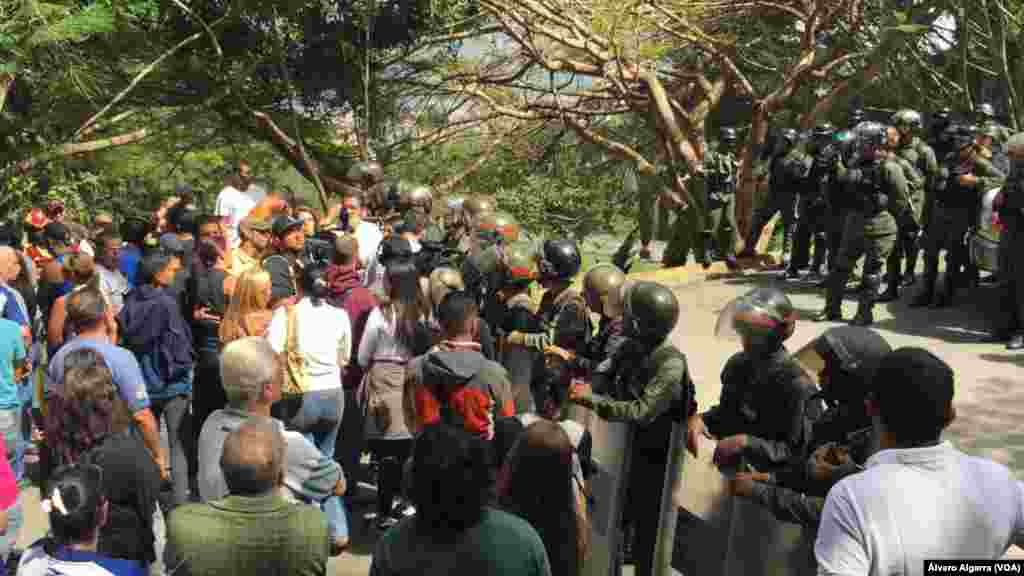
(57, 232)
(258, 224)
(170, 243)
(284, 223)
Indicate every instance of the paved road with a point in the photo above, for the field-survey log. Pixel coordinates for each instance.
(989, 397)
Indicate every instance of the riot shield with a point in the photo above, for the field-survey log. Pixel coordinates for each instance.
(611, 453)
(668, 512)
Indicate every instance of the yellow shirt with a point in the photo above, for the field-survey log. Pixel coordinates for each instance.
(240, 262)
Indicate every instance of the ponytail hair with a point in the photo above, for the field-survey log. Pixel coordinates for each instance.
(75, 503)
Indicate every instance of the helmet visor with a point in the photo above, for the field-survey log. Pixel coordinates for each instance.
(746, 317)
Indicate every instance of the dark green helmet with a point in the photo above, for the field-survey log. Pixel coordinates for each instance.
(415, 196)
(942, 115)
(856, 116)
(603, 284)
(823, 131)
(789, 136)
(872, 134)
(907, 118)
(727, 135)
(651, 311)
(986, 112)
(496, 227)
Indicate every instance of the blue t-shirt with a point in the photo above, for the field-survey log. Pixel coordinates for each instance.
(9, 307)
(129, 264)
(12, 353)
(125, 369)
(65, 561)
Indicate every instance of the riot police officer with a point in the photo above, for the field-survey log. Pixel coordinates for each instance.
(985, 117)
(940, 139)
(789, 169)
(814, 208)
(760, 417)
(472, 208)
(525, 365)
(602, 291)
(372, 188)
(720, 171)
(965, 175)
(845, 358)
(922, 171)
(650, 386)
(1013, 228)
(563, 310)
(420, 199)
(877, 188)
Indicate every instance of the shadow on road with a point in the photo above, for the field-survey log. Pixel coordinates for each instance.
(991, 422)
(1010, 357)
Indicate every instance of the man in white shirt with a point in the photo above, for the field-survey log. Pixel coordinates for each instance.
(233, 204)
(112, 281)
(407, 244)
(918, 498)
(367, 233)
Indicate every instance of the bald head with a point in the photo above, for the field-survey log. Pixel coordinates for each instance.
(10, 265)
(253, 457)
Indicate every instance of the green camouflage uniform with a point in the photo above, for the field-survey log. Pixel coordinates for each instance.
(922, 171)
(720, 171)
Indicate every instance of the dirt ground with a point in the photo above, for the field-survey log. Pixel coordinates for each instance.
(989, 396)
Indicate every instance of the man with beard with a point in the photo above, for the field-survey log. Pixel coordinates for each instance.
(255, 242)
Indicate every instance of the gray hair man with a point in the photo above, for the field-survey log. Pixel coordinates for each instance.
(251, 377)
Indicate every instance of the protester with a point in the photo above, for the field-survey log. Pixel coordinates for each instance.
(284, 263)
(540, 484)
(322, 334)
(454, 531)
(112, 281)
(78, 511)
(233, 204)
(254, 529)
(95, 326)
(88, 423)
(348, 293)
(454, 382)
(255, 241)
(395, 333)
(161, 340)
(919, 498)
(248, 312)
(14, 366)
(11, 513)
(367, 233)
(80, 270)
(252, 377)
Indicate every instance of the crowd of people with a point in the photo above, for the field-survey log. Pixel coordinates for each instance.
(277, 345)
(882, 191)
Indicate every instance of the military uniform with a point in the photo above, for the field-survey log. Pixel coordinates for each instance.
(788, 174)
(922, 171)
(1013, 230)
(685, 233)
(653, 218)
(951, 216)
(814, 211)
(720, 171)
(877, 189)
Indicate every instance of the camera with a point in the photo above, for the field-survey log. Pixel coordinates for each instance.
(319, 250)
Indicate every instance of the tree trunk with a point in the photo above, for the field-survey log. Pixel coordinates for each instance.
(746, 195)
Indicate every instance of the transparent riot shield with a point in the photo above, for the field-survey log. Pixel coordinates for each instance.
(611, 453)
(668, 512)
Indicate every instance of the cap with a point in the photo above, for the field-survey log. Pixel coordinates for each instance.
(36, 218)
(283, 224)
(57, 232)
(258, 224)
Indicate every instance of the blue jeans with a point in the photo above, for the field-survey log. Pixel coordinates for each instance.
(319, 419)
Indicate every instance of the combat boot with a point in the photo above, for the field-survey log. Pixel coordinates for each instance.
(833, 297)
(892, 285)
(944, 297)
(866, 303)
(926, 295)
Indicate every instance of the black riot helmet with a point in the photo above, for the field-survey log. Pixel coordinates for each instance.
(845, 359)
(650, 311)
(823, 132)
(871, 137)
(560, 260)
(856, 117)
(762, 319)
(985, 113)
(727, 136)
(789, 136)
(962, 135)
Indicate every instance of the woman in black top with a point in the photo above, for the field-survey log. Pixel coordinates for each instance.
(90, 424)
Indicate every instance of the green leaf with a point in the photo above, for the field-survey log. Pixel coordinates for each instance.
(77, 27)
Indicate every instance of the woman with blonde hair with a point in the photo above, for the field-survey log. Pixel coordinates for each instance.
(80, 269)
(248, 313)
